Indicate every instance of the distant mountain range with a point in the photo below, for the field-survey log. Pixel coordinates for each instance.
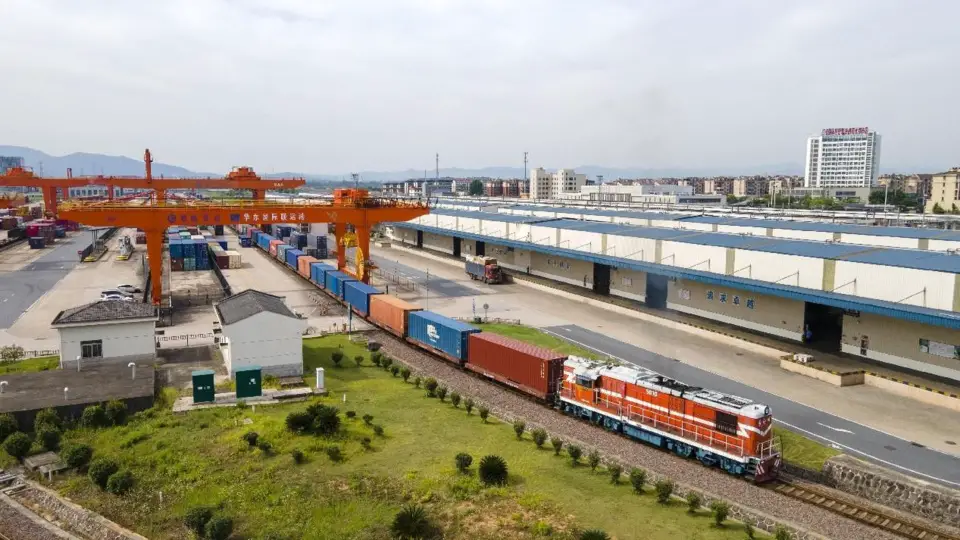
(89, 164)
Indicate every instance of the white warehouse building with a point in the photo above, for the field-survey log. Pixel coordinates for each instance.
(842, 158)
(107, 330)
(258, 329)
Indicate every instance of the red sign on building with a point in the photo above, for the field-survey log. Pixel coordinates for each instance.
(846, 131)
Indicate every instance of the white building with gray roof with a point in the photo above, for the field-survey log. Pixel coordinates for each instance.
(258, 329)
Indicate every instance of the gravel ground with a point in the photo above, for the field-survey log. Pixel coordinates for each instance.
(711, 482)
(16, 526)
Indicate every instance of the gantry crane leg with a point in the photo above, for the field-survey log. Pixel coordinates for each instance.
(155, 256)
(363, 244)
(341, 229)
(259, 194)
(50, 199)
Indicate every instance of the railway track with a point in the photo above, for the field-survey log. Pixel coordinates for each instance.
(821, 498)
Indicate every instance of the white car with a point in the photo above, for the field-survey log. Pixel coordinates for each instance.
(111, 297)
(114, 292)
(129, 289)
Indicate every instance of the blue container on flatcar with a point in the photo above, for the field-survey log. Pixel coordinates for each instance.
(357, 294)
(334, 282)
(440, 333)
(291, 257)
(318, 273)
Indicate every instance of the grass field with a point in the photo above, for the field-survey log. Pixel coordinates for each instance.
(199, 458)
(31, 364)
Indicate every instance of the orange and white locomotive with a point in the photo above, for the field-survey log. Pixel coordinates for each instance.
(719, 429)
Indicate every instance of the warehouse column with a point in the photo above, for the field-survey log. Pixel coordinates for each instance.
(155, 259)
(339, 230)
(363, 244)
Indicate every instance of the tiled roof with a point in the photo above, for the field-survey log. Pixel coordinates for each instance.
(250, 302)
(108, 310)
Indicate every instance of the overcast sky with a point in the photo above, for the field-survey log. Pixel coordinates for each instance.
(333, 86)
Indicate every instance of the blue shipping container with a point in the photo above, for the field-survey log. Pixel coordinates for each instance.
(357, 294)
(318, 273)
(176, 249)
(334, 282)
(291, 256)
(282, 252)
(440, 333)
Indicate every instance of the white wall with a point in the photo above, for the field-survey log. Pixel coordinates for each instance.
(119, 339)
(665, 223)
(622, 246)
(494, 228)
(737, 229)
(942, 245)
(802, 235)
(894, 284)
(438, 243)
(570, 239)
(693, 226)
(271, 341)
(773, 266)
(886, 241)
(688, 255)
(468, 225)
(446, 222)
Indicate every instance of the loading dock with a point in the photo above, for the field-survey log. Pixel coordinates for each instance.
(823, 326)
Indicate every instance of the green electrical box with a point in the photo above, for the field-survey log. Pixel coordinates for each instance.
(203, 388)
(248, 382)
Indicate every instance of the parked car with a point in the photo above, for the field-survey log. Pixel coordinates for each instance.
(129, 289)
(114, 292)
(110, 297)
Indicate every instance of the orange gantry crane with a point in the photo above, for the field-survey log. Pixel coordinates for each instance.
(353, 206)
(239, 178)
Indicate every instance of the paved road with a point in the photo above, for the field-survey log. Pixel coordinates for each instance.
(20, 289)
(438, 286)
(850, 437)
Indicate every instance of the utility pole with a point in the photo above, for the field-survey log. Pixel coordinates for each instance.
(356, 180)
(525, 165)
(438, 165)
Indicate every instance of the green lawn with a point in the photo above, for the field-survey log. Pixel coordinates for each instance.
(199, 458)
(31, 364)
(538, 337)
(802, 451)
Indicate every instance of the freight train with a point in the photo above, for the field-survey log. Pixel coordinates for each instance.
(720, 430)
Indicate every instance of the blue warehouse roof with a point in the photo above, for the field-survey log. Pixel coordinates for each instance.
(906, 312)
(508, 218)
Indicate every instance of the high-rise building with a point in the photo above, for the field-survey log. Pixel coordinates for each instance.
(842, 157)
(544, 185)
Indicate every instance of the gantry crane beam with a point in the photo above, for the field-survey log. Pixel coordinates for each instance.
(240, 178)
(156, 216)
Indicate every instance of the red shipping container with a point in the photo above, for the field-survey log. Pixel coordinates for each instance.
(303, 265)
(176, 264)
(391, 313)
(223, 261)
(534, 370)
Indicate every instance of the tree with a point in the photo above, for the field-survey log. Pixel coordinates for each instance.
(430, 385)
(937, 209)
(93, 416)
(76, 455)
(638, 477)
(693, 502)
(720, 512)
(557, 445)
(386, 362)
(575, 452)
(120, 482)
(484, 413)
(49, 438)
(468, 405)
(299, 421)
(416, 382)
(455, 399)
(251, 438)
(334, 453)
(394, 370)
(476, 188)
(493, 470)
(594, 534)
(593, 459)
(376, 357)
(615, 470)
(411, 523)
(8, 426)
(358, 359)
(442, 393)
(11, 353)
(18, 445)
(47, 418)
(116, 412)
(337, 357)
(463, 461)
(219, 528)
(326, 419)
(519, 426)
(405, 373)
(196, 519)
(539, 436)
(101, 469)
(664, 491)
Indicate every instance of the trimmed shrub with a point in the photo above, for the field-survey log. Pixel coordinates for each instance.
(638, 477)
(455, 399)
(93, 416)
(265, 446)
(664, 490)
(76, 455)
(720, 512)
(378, 430)
(298, 456)
(615, 470)
(519, 426)
(411, 523)
(368, 419)
(120, 482)
(387, 362)
(219, 528)
(8, 426)
(337, 357)
(45, 418)
(593, 460)
(394, 370)
(242, 404)
(748, 530)
(594, 534)
(539, 436)
(116, 412)
(557, 445)
(326, 419)
(468, 405)
(493, 470)
(101, 469)
(334, 453)
(694, 501)
(376, 357)
(781, 533)
(251, 438)
(18, 445)
(196, 519)
(365, 443)
(49, 438)
(351, 414)
(358, 359)
(442, 393)
(405, 373)
(484, 413)
(430, 385)
(299, 421)
(463, 461)
(417, 381)
(575, 454)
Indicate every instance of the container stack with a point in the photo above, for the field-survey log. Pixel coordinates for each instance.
(318, 243)
(9, 222)
(234, 260)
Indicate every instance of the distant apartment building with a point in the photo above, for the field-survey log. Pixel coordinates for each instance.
(510, 188)
(9, 162)
(907, 183)
(544, 185)
(419, 187)
(944, 191)
(843, 158)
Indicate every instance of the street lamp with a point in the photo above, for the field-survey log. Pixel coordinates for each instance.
(133, 370)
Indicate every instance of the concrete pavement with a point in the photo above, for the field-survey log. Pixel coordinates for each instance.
(437, 285)
(20, 288)
(851, 437)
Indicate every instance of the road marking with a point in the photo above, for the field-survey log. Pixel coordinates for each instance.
(841, 430)
(833, 444)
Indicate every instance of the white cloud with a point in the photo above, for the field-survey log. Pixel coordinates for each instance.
(331, 86)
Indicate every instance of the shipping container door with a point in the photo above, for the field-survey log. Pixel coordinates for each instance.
(601, 279)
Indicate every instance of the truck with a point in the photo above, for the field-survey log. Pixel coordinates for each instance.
(484, 269)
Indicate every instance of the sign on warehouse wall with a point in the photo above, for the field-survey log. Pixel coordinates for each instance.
(936, 348)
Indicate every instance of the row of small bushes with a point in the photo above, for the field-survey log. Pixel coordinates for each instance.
(48, 427)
